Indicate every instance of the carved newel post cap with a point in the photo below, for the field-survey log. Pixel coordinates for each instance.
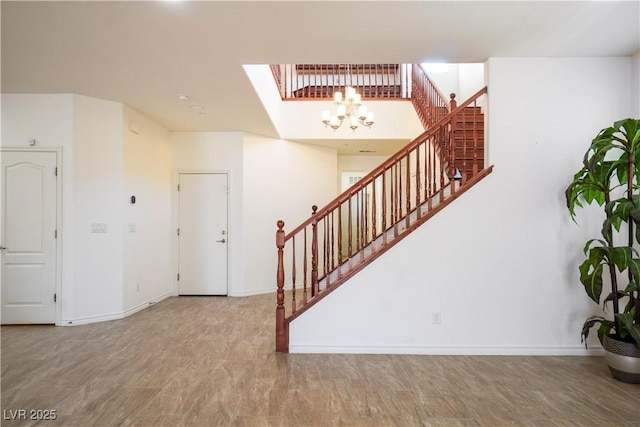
(314, 208)
(452, 96)
(280, 224)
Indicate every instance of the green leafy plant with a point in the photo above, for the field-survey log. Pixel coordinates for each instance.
(610, 178)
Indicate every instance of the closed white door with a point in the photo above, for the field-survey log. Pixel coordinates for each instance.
(29, 206)
(202, 233)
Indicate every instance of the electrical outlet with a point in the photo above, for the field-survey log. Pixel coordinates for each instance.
(436, 317)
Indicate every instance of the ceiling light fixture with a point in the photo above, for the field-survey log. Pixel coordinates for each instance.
(183, 97)
(349, 109)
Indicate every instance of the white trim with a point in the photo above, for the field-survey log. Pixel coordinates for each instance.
(253, 292)
(113, 316)
(60, 236)
(450, 351)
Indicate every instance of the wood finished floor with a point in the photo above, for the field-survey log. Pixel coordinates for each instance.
(194, 361)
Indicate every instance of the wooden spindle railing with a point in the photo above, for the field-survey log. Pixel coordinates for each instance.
(430, 104)
(380, 209)
(320, 81)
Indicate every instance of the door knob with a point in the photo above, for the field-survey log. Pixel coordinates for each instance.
(2, 248)
(221, 241)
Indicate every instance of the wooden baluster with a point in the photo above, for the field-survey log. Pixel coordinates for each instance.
(293, 275)
(399, 190)
(418, 182)
(393, 70)
(318, 76)
(463, 150)
(443, 158)
(465, 147)
(427, 153)
(304, 268)
(393, 195)
(432, 169)
(392, 185)
(360, 72)
(426, 170)
(384, 206)
(374, 218)
(358, 219)
(365, 228)
(332, 265)
(362, 222)
(476, 148)
(325, 249)
(314, 253)
(285, 81)
(282, 335)
(408, 191)
(365, 216)
(452, 143)
(350, 231)
(339, 237)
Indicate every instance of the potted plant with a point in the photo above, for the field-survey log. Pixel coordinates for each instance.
(610, 177)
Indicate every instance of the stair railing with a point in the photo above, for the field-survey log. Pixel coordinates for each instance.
(320, 81)
(430, 104)
(393, 199)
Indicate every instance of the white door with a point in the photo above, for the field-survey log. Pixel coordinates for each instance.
(29, 198)
(202, 233)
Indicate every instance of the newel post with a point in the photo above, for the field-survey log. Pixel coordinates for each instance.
(282, 335)
(314, 252)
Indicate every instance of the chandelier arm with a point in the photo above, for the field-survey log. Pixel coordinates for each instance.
(348, 107)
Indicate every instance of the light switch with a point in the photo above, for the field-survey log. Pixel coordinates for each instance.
(99, 227)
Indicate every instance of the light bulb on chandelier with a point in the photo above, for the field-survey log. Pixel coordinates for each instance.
(350, 109)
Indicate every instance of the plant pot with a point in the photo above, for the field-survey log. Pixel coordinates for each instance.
(623, 359)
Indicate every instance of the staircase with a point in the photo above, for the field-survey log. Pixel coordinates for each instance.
(386, 205)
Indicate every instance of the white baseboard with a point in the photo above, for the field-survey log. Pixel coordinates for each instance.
(113, 316)
(254, 292)
(146, 304)
(450, 351)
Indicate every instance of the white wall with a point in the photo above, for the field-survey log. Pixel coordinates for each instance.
(270, 179)
(357, 164)
(393, 120)
(48, 119)
(635, 85)
(500, 264)
(462, 79)
(282, 180)
(102, 164)
(215, 152)
(147, 222)
(98, 188)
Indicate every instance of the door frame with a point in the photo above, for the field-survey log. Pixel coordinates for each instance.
(58, 263)
(176, 221)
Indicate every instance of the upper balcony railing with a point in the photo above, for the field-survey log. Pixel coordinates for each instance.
(320, 81)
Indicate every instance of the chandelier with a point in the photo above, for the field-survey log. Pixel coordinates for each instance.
(350, 110)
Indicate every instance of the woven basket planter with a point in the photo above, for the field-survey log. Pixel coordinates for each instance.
(623, 359)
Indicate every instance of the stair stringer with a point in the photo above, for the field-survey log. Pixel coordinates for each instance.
(404, 231)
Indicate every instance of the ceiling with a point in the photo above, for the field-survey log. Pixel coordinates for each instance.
(145, 53)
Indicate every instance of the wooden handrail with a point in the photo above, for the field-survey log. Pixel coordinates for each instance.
(429, 102)
(345, 195)
(441, 96)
